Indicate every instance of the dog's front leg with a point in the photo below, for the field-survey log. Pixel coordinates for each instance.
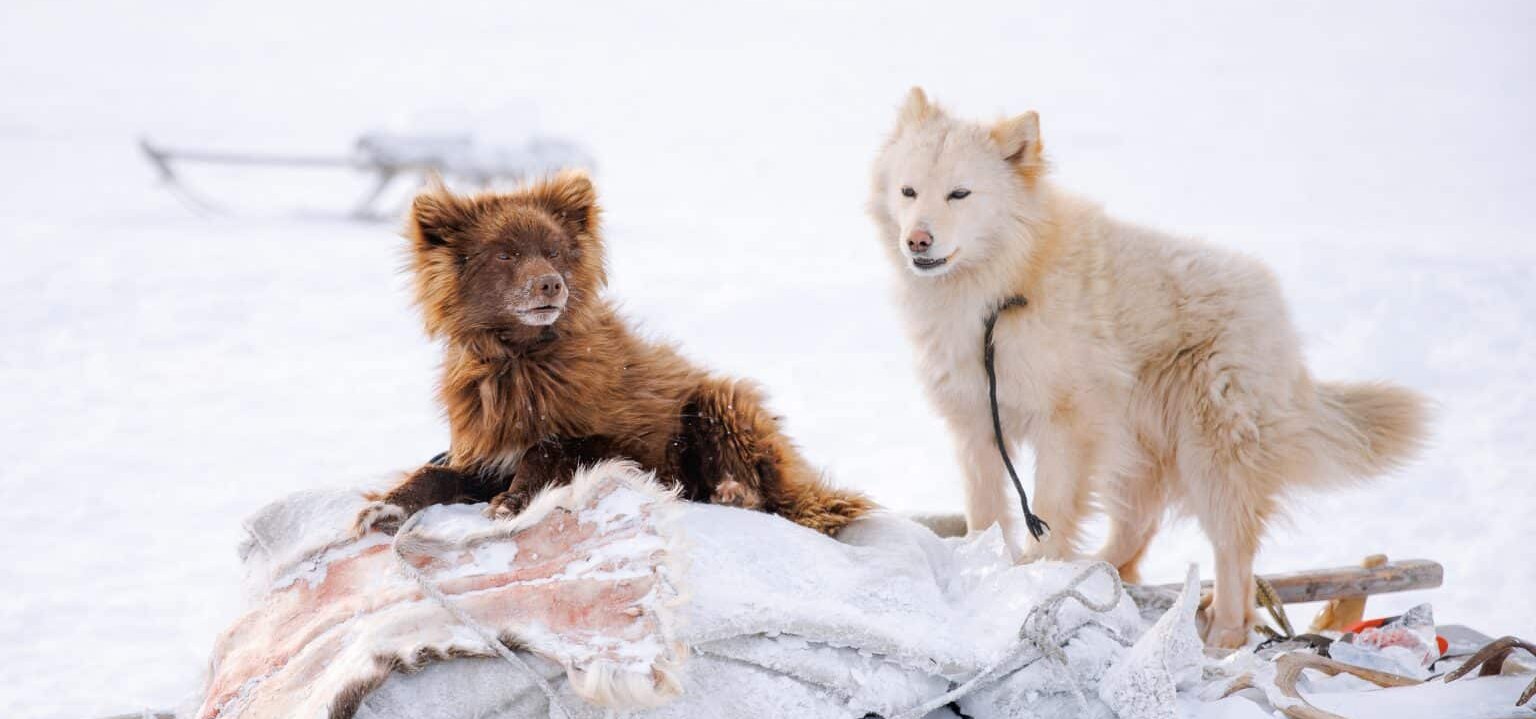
(423, 488)
(987, 495)
(1066, 458)
(551, 463)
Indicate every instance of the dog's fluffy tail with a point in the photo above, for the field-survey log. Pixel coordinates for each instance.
(1367, 428)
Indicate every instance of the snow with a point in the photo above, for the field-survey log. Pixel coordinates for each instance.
(1488, 697)
(164, 374)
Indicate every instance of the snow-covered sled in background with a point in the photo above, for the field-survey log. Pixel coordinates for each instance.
(386, 156)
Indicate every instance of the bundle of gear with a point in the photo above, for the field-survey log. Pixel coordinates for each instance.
(610, 594)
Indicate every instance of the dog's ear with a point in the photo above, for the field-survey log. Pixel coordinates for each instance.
(437, 214)
(571, 199)
(1019, 139)
(917, 108)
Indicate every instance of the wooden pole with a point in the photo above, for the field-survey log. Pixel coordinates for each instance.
(1315, 585)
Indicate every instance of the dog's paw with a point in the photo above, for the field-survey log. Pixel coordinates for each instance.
(1226, 637)
(379, 516)
(1052, 550)
(732, 493)
(1035, 553)
(507, 505)
(1222, 636)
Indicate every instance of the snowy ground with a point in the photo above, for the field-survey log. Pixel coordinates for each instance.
(163, 374)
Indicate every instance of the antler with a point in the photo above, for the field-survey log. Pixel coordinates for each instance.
(1492, 657)
(1288, 670)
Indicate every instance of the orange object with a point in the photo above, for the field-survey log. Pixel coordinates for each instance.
(1364, 624)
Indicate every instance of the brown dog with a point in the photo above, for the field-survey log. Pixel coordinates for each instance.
(542, 375)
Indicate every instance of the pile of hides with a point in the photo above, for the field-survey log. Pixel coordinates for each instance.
(615, 595)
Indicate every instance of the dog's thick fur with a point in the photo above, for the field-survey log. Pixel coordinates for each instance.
(1147, 371)
(541, 374)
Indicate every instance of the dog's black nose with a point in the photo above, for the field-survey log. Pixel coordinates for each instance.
(919, 241)
(549, 285)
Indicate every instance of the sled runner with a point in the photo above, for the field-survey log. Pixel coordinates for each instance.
(384, 157)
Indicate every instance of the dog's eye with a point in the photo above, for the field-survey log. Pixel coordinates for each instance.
(503, 256)
(959, 194)
(908, 192)
(553, 253)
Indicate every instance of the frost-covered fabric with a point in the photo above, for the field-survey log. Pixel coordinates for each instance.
(928, 611)
(783, 621)
(1144, 683)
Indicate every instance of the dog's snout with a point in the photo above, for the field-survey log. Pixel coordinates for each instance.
(550, 285)
(919, 241)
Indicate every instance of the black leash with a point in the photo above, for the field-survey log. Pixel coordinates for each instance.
(1037, 526)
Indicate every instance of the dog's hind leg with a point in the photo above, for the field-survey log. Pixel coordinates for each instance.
(1233, 507)
(731, 451)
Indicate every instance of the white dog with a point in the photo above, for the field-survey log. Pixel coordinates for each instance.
(1147, 371)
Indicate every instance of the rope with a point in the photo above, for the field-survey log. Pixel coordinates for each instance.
(485, 634)
(1282, 631)
(1269, 599)
(1037, 526)
(1040, 632)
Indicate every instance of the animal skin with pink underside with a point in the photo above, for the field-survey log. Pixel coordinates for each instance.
(582, 577)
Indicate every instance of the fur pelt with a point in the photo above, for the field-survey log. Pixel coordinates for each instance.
(530, 398)
(587, 577)
(1148, 371)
